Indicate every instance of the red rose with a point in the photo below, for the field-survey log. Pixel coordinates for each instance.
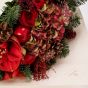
(28, 59)
(39, 3)
(10, 55)
(22, 34)
(28, 18)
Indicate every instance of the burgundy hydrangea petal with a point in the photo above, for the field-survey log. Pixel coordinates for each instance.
(38, 3)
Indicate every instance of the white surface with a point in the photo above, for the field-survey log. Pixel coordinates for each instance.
(84, 11)
(71, 71)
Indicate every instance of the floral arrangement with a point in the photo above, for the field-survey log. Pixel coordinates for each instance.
(33, 33)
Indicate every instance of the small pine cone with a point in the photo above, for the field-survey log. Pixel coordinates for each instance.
(5, 32)
(70, 34)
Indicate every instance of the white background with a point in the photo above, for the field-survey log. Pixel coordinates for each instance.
(84, 11)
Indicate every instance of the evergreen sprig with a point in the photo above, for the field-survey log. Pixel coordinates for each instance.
(10, 14)
(1, 74)
(59, 2)
(75, 3)
(65, 48)
(74, 22)
(26, 71)
(12, 3)
(50, 63)
(80, 2)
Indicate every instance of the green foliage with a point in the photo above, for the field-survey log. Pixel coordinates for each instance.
(80, 2)
(74, 22)
(12, 3)
(65, 48)
(11, 13)
(26, 71)
(59, 2)
(1, 75)
(50, 63)
(74, 3)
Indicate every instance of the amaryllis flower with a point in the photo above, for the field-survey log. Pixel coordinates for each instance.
(10, 55)
(28, 18)
(39, 3)
(9, 75)
(28, 59)
(22, 34)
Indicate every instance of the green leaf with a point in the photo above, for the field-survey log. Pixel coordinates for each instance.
(75, 3)
(1, 75)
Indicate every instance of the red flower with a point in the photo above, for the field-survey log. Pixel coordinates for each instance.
(10, 55)
(28, 18)
(39, 3)
(6, 76)
(28, 59)
(22, 33)
(9, 75)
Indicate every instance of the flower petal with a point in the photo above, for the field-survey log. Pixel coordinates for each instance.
(28, 59)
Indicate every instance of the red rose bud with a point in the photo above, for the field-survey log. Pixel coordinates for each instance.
(22, 33)
(39, 3)
(28, 18)
(28, 59)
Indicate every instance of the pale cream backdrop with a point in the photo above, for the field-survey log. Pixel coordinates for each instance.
(69, 71)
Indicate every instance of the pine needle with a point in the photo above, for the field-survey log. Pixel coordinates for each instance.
(26, 71)
(10, 14)
(65, 48)
(1, 75)
(74, 22)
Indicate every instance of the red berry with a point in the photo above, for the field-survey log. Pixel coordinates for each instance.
(22, 33)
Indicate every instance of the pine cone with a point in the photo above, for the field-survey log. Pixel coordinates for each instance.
(5, 32)
(70, 34)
